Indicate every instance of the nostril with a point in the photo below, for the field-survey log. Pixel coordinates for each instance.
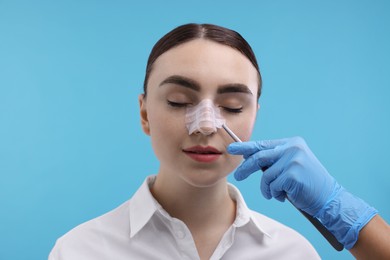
(207, 127)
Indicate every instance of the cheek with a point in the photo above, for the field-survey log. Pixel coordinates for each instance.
(164, 120)
(166, 129)
(243, 125)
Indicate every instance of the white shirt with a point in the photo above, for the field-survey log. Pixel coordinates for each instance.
(141, 229)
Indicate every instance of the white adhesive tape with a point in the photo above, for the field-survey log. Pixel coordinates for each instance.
(205, 118)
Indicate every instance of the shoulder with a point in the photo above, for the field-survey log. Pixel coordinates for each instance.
(89, 236)
(263, 236)
(283, 237)
(271, 226)
(109, 233)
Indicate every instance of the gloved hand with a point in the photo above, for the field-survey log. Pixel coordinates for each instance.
(292, 170)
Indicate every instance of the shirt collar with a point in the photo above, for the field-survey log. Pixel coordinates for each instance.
(143, 206)
(243, 214)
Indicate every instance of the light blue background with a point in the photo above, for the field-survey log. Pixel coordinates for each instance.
(71, 146)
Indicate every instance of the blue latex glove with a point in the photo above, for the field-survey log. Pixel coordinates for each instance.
(292, 170)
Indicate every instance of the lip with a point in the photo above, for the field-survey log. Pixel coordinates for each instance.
(204, 154)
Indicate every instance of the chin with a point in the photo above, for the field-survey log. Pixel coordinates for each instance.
(205, 179)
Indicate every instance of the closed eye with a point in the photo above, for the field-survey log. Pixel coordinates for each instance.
(232, 110)
(177, 104)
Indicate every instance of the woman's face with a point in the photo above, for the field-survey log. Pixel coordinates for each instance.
(182, 77)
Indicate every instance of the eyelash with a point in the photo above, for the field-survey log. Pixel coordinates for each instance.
(227, 109)
(176, 104)
(232, 110)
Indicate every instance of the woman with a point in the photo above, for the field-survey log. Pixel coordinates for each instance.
(188, 210)
(198, 79)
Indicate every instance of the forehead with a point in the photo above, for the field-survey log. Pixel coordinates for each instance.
(207, 62)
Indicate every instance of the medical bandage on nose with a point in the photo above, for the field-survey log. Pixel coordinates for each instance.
(205, 117)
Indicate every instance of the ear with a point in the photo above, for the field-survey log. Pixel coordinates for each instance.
(258, 107)
(143, 114)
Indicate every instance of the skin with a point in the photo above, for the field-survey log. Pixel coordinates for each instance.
(373, 241)
(196, 192)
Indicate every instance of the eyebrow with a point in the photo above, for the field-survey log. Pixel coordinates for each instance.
(234, 88)
(194, 85)
(182, 81)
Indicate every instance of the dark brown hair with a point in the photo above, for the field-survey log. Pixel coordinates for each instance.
(192, 31)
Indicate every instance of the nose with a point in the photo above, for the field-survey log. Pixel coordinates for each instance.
(204, 118)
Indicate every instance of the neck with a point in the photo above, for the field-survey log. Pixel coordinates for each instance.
(198, 207)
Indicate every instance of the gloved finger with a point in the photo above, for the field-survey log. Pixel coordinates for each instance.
(288, 183)
(276, 189)
(270, 175)
(249, 148)
(256, 162)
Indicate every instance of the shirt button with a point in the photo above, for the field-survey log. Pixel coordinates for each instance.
(180, 234)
